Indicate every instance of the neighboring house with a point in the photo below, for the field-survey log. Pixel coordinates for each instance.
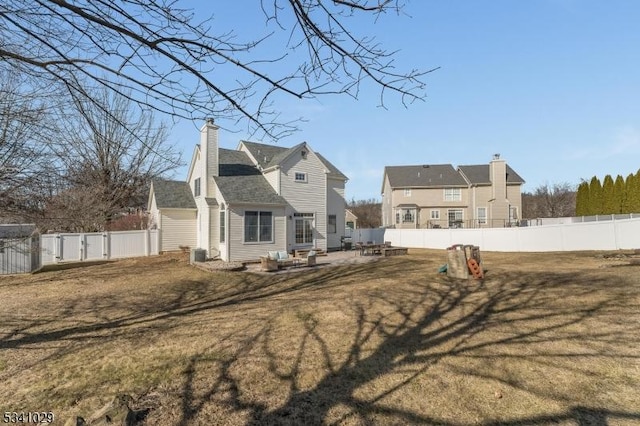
(350, 219)
(239, 204)
(440, 196)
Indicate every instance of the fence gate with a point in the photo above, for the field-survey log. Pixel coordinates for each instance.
(71, 248)
(75, 247)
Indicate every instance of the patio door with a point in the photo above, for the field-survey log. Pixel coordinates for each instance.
(303, 229)
(455, 217)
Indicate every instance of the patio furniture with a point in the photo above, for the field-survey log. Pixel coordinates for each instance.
(310, 258)
(268, 264)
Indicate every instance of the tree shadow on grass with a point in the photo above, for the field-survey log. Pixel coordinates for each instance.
(399, 325)
(408, 331)
(116, 316)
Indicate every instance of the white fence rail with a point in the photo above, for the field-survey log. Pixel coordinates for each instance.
(362, 235)
(76, 247)
(601, 235)
(578, 219)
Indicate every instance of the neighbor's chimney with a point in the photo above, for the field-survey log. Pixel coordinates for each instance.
(498, 176)
(209, 152)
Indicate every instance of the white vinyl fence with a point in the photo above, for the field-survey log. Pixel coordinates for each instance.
(76, 247)
(362, 235)
(610, 235)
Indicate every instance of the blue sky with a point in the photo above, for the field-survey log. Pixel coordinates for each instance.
(551, 85)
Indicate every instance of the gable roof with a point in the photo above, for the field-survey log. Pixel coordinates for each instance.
(268, 155)
(173, 194)
(333, 170)
(428, 175)
(241, 182)
(479, 174)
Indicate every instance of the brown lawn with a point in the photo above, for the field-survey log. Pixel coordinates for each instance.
(545, 339)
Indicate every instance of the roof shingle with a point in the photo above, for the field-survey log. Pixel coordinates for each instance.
(428, 175)
(479, 174)
(173, 194)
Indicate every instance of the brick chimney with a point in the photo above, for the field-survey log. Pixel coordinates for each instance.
(209, 152)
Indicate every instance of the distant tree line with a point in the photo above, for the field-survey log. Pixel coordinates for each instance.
(76, 163)
(549, 200)
(368, 212)
(610, 196)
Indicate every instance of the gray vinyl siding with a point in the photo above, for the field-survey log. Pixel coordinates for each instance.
(241, 251)
(336, 206)
(307, 197)
(178, 228)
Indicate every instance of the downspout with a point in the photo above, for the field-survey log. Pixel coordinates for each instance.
(474, 211)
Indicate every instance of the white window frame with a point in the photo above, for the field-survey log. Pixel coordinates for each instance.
(456, 219)
(300, 177)
(452, 194)
(482, 219)
(223, 225)
(435, 216)
(332, 228)
(260, 224)
(407, 192)
(408, 213)
(308, 233)
(197, 187)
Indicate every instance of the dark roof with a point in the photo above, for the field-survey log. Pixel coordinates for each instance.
(268, 155)
(333, 170)
(235, 163)
(241, 182)
(173, 194)
(429, 175)
(252, 189)
(17, 230)
(479, 174)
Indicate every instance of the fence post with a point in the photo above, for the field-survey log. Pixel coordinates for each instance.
(107, 245)
(104, 246)
(58, 248)
(147, 242)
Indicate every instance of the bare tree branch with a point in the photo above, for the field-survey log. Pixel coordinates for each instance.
(164, 59)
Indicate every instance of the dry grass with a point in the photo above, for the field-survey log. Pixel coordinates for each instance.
(546, 339)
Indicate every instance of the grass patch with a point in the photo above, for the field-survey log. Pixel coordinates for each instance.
(545, 338)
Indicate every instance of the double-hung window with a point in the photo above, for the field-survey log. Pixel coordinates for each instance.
(332, 224)
(258, 227)
(482, 215)
(452, 194)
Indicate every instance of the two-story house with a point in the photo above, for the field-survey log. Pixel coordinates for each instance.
(440, 196)
(239, 204)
